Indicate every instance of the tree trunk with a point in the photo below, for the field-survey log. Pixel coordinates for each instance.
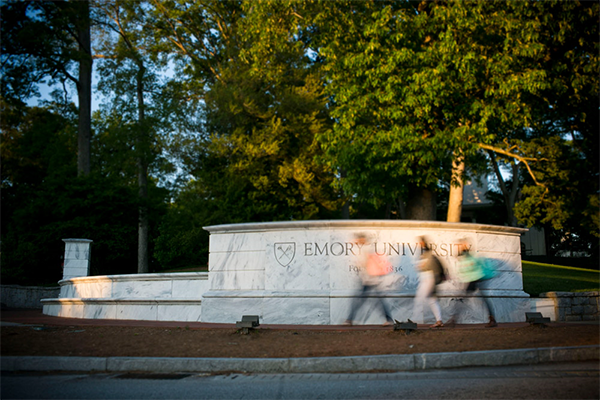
(456, 190)
(84, 91)
(142, 144)
(421, 205)
(388, 210)
(402, 209)
(143, 225)
(512, 199)
(346, 206)
(346, 210)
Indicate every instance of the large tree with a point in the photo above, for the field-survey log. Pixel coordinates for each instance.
(43, 202)
(264, 105)
(418, 89)
(564, 193)
(46, 41)
(129, 82)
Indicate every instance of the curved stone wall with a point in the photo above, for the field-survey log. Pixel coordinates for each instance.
(305, 272)
(148, 297)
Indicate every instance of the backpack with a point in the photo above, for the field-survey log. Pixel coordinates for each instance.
(438, 270)
(475, 269)
(486, 267)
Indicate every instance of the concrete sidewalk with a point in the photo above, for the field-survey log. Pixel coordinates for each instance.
(392, 362)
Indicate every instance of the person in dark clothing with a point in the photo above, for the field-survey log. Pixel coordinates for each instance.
(431, 274)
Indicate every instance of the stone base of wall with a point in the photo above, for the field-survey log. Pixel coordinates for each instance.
(575, 306)
(16, 296)
(544, 306)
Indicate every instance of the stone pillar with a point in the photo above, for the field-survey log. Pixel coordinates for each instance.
(77, 258)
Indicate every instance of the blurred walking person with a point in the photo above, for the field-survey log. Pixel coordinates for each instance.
(372, 270)
(472, 272)
(431, 274)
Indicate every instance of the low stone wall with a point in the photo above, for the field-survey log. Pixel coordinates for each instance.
(16, 296)
(575, 306)
(143, 297)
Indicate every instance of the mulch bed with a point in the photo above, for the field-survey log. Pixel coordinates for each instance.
(144, 341)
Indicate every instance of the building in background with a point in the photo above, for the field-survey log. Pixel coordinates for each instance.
(476, 204)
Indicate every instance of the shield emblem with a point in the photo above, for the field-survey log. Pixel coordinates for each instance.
(285, 252)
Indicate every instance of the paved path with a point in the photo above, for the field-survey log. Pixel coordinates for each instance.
(543, 381)
(393, 362)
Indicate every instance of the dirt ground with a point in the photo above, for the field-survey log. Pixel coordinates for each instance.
(182, 341)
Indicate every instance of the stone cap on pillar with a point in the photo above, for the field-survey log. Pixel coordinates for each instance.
(78, 240)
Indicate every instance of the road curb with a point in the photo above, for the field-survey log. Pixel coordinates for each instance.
(393, 362)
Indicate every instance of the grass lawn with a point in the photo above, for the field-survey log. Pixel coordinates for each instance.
(540, 278)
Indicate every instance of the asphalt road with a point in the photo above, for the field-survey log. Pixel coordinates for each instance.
(541, 381)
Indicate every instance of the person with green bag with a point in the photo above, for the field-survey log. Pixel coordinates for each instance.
(472, 272)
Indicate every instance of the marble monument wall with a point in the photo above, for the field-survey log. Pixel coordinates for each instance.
(305, 272)
(150, 297)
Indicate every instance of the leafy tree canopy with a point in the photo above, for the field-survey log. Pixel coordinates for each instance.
(415, 85)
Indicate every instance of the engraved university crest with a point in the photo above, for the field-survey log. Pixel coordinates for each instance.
(285, 252)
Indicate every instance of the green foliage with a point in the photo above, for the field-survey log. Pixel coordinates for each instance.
(183, 243)
(414, 88)
(529, 209)
(264, 104)
(46, 42)
(35, 45)
(564, 138)
(251, 153)
(43, 202)
(540, 278)
(94, 208)
(284, 110)
(134, 114)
